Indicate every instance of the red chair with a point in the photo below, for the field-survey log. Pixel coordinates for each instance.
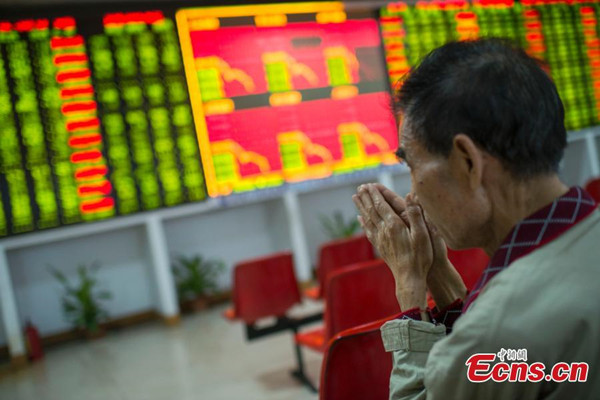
(338, 254)
(267, 287)
(355, 295)
(264, 287)
(593, 188)
(356, 366)
(469, 263)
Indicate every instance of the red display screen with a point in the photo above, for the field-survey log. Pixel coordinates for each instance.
(284, 96)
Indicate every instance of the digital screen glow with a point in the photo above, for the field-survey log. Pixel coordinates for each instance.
(285, 93)
(562, 34)
(95, 123)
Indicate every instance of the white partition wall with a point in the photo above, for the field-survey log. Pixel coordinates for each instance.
(135, 252)
(230, 234)
(124, 268)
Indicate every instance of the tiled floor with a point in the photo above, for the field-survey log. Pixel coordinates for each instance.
(204, 358)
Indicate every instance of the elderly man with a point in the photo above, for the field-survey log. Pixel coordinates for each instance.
(482, 131)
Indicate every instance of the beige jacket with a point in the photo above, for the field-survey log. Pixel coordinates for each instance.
(547, 302)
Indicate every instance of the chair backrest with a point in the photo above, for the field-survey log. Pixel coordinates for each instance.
(593, 188)
(340, 253)
(359, 294)
(265, 287)
(469, 263)
(356, 366)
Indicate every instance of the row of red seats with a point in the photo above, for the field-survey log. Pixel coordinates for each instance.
(267, 287)
(355, 292)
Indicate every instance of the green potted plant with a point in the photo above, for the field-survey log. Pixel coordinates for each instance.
(196, 278)
(81, 301)
(336, 227)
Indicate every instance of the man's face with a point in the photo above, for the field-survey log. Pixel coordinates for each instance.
(442, 192)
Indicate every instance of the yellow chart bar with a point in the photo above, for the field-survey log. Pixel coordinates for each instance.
(263, 9)
(196, 100)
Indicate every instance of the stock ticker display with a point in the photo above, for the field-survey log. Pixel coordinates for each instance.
(286, 93)
(562, 34)
(111, 112)
(95, 120)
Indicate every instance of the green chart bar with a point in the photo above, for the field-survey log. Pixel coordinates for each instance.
(146, 117)
(558, 34)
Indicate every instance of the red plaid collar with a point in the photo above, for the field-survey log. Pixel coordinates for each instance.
(533, 232)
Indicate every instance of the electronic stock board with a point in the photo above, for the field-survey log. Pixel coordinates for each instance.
(108, 111)
(561, 34)
(286, 93)
(101, 118)
(95, 119)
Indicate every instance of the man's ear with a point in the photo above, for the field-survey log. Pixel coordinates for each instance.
(468, 160)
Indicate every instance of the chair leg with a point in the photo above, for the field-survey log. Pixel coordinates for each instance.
(299, 372)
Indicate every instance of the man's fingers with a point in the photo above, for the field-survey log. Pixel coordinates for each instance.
(418, 229)
(361, 221)
(368, 231)
(430, 227)
(366, 222)
(359, 205)
(367, 227)
(437, 242)
(395, 201)
(370, 214)
(382, 207)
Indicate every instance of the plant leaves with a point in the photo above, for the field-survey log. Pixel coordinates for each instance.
(336, 226)
(81, 305)
(196, 276)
